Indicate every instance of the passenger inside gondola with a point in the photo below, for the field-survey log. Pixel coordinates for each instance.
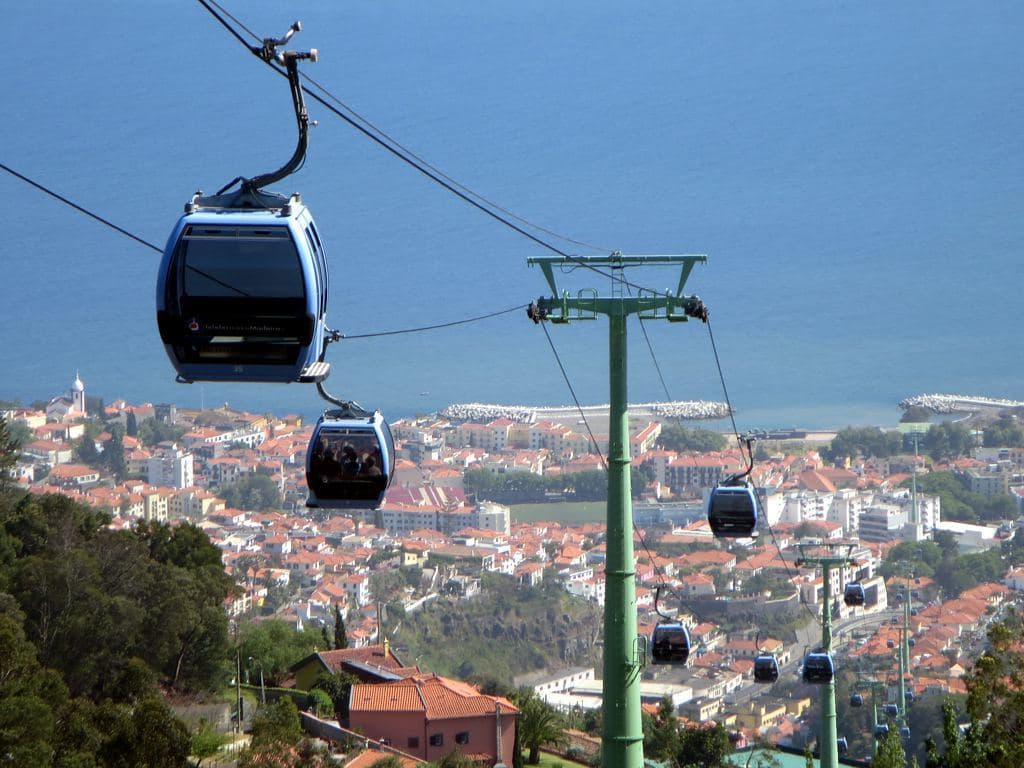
(339, 473)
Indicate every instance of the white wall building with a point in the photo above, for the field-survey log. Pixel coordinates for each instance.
(171, 468)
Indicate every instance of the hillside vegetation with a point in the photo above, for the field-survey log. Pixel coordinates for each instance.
(502, 632)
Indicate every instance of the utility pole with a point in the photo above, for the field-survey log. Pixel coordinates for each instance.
(624, 652)
(828, 748)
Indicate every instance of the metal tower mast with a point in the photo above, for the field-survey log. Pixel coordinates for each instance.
(828, 748)
(624, 652)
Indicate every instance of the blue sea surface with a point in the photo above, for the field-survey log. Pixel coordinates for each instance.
(853, 171)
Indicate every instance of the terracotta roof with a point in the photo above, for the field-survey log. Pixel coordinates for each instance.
(437, 697)
(370, 654)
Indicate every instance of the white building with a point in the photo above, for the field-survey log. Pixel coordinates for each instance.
(170, 468)
(847, 505)
(882, 522)
(802, 505)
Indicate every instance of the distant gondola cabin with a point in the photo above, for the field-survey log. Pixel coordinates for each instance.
(349, 462)
(732, 511)
(670, 643)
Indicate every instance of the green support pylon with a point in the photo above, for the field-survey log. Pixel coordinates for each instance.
(622, 739)
(828, 747)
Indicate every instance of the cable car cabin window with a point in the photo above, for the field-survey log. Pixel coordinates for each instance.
(732, 512)
(246, 262)
(818, 669)
(242, 296)
(766, 669)
(347, 464)
(853, 594)
(670, 644)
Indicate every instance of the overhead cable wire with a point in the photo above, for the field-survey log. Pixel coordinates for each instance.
(419, 158)
(761, 496)
(575, 399)
(80, 209)
(142, 241)
(654, 357)
(423, 169)
(442, 174)
(435, 327)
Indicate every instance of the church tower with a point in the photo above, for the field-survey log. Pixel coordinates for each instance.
(78, 395)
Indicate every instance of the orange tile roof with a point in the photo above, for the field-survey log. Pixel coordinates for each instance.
(439, 698)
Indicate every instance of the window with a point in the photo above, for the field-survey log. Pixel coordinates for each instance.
(437, 739)
(462, 738)
(241, 262)
(414, 742)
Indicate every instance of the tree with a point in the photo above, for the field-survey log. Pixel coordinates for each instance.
(948, 440)
(703, 747)
(276, 723)
(10, 449)
(995, 704)
(131, 426)
(151, 432)
(277, 645)
(253, 493)
(87, 452)
(113, 454)
(676, 437)
(890, 752)
(456, 759)
(340, 634)
(337, 686)
(207, 742)
(320, 702)
(661, 733)
(1004, 433)
(863, 441)
(539, 724)
(916, 414)
(26, 718)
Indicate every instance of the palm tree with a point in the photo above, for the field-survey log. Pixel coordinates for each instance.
(539, 724)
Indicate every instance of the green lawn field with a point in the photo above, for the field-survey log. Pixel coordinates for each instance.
(570, 512)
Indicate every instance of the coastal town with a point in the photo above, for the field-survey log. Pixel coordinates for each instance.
(240, 478)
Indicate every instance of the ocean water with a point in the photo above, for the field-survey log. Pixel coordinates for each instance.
(854, 172)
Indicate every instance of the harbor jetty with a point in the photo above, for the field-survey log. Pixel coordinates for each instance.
(958, 403)
(527, 414)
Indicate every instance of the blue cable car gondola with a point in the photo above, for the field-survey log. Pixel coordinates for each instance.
(892, 710)
(881, 730)
(350, 461)
(242, 288)
(853, 594)
(909, 695)
(894, 620)
(911, 642)
(905, 733)
(766, 669)
(856, 700)
(242, 291)
(818, 669)
(670, 643)
(732, 511)
(890, 643)
(842, 746)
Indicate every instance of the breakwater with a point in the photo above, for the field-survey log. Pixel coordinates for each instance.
(957, 403)
(525, 414)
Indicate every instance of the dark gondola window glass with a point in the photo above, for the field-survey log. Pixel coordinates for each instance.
(256, 262)
(347, 463)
